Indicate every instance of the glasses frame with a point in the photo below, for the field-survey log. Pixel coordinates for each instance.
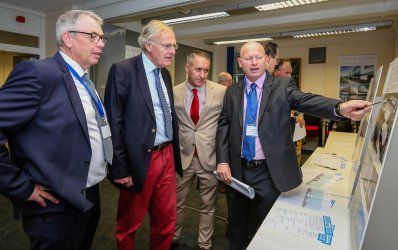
(93, 36)
(166, 46)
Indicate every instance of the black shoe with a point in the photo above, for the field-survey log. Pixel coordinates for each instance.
(174, 244)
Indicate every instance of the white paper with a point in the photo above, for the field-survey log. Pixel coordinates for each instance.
(299, 132)
(238, 186)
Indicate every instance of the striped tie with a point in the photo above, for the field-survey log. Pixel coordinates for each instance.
(165, 107)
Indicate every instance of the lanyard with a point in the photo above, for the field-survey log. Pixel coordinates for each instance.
(95, 98)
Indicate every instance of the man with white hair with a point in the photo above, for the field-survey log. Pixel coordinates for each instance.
(144, 125)
(58, 137)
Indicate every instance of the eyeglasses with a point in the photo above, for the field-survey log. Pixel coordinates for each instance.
(94, 37)
(252, 58)
(199, 70)
(167, 46)
(277, 59)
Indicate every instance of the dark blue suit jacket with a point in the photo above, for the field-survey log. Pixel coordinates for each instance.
(131, 116)
(42, 118)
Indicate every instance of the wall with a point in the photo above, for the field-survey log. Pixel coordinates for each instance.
(6, 65)
(33, 26)
(324, 78)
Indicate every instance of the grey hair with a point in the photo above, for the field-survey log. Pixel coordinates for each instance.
(69, 20)
(195, 53)
(150, 31)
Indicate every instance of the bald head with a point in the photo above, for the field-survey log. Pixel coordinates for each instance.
(252, 60)
(251, 46)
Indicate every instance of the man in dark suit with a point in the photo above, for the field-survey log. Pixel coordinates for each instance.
(56, 132)
(144, 125)
(254, 140)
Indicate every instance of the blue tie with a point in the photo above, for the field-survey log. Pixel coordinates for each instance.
(165, 107)
(249, 147)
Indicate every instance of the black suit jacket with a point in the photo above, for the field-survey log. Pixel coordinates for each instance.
(43, 119)
(131, 116)
(279, 96)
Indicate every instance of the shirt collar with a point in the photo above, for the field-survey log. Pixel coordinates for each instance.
(149, 66)
(259, 82)
(73, 64)
(200, 89)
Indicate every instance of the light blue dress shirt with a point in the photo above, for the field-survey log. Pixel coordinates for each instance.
(160, 129)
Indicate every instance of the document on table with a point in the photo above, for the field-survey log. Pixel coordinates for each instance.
(238, 186)
(329, 161)
(304, 224)
(299, 132)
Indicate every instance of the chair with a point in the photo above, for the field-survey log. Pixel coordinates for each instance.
(312, 124)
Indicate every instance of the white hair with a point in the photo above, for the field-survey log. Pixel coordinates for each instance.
(150, 31)
(69, 21)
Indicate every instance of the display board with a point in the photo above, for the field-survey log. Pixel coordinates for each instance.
(367, 124)
(373, 164)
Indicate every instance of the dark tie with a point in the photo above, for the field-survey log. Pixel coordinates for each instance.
(249, 147)
(165, 107)
(195, 107)
(106, 142)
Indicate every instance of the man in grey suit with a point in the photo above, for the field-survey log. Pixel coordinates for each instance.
(254, 140)
(198, 104)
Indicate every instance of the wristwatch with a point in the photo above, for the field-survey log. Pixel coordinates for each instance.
(337, 109)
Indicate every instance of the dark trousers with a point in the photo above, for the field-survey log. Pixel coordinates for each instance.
(244, 215)
(69, 230)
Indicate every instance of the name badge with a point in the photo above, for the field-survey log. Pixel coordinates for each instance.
(251, 130)
(105, 131)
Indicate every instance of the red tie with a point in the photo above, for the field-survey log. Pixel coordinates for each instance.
(195, 107)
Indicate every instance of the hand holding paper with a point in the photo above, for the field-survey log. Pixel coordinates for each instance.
(238, 186)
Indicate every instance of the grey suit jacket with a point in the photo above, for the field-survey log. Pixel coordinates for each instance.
(279, 96)
(203, 134)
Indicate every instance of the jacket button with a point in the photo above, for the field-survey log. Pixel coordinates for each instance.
(83, 191)
(87, 163)
(153, 130)
(149, 150)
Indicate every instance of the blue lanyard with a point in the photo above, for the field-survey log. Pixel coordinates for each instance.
(95, 98)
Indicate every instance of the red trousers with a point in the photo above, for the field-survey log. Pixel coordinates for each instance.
(158, 197)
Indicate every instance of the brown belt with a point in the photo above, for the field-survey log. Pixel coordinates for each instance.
(161, 146)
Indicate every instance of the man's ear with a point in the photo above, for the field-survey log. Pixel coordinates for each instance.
(186, 68)
(239, 62)
(148, 46)
(67, 39)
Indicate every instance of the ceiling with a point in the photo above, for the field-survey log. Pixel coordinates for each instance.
(246, 22)
(244, 19)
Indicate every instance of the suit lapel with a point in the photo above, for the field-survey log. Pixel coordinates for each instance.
(241, 95)
(265, 95)
(144, 87)
(73, 94)
(181, 100)
(209, 100)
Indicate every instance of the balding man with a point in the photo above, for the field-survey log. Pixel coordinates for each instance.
(254, 142)
(225, 78)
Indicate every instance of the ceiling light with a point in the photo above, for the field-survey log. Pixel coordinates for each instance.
(261, 39)
(196, 18)
(337, 30)
(286, 4)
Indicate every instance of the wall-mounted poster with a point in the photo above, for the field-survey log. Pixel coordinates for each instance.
(355, 75)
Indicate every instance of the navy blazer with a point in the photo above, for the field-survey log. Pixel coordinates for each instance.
(42, 118)
(131, 116)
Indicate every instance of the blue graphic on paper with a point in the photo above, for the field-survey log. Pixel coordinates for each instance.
(328, 227)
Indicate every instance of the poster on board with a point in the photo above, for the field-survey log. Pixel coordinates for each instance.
(355, 75)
